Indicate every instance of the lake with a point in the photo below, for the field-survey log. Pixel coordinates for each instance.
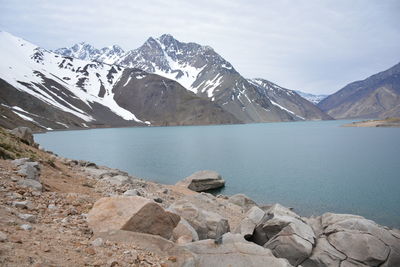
(314, 167)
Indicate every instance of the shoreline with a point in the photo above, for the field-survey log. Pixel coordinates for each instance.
(389, 123)
(57, 225)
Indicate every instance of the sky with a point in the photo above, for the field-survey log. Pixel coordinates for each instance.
(316, 46)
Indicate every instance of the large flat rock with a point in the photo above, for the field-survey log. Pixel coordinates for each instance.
(203, 181)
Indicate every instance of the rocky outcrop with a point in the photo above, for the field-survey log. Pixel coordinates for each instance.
(132, 213)
(25, 134)
(203, 181)
(360, 240)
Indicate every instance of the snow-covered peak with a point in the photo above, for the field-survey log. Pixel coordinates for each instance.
(311, 97)
(30, 68)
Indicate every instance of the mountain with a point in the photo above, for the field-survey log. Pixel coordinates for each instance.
(58, 92)
(205, 73)
(375, 97)
(315, 99)
(289, 100)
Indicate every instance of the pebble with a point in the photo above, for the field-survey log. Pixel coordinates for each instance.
(26, 227)
(27, 217)
(98, 242)
(158, 200)
(51, 207)
(20, 204)
(3, 237)
(132, 192)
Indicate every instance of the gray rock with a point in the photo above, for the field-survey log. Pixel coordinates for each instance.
(365, 235)
(20, 204)
(20, 161)
(98, 242)
(232, 253)
(24, 133)
(206, 223)
(52, 207)
(132, 192)
(26, 227)
(118, 180)
(28, 217)
(242, 201)
(203, 181)
(29, 172)
(247, 226)
(291, 247)
(3, 237)
(184, 229)
(324, 255)
(361, 247)
(29, 183)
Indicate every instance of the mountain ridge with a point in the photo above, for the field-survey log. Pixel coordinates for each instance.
(377, 96)
(204, 72)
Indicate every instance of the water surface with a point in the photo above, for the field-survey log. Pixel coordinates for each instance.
(314, 167)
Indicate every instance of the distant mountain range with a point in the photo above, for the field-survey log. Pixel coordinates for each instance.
(163, 82)
(375, 97)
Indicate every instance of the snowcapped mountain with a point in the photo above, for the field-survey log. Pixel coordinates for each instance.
(312, 98)
(85, 51)
(204, 72)
(54, 91)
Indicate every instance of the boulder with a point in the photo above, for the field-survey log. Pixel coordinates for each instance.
(131, 213)
(284, 232)
(202, 181)
(291, 247)
(360, 247)
(242, 201)
(371, 244)
(232, 252)
(30, 170)
(20, 161)
(25, 134)
(324, 254)
(185, 229)
(247, 226)
(29, 183)
(207, 224)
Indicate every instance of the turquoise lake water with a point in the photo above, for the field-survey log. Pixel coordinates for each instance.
(314, 167)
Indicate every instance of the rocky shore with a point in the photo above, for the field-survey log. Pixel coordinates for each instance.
(389, 122)
(63, 212)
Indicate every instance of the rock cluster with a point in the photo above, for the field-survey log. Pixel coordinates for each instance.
(30, 171)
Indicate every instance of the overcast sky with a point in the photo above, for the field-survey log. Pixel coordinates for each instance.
(311, 45)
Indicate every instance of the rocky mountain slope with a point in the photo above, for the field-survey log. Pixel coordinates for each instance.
(375, 97)
(204, 72)
(49, 91)
(290, 100)
(63, 212)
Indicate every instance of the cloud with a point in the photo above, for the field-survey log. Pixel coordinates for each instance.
(310, 45)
